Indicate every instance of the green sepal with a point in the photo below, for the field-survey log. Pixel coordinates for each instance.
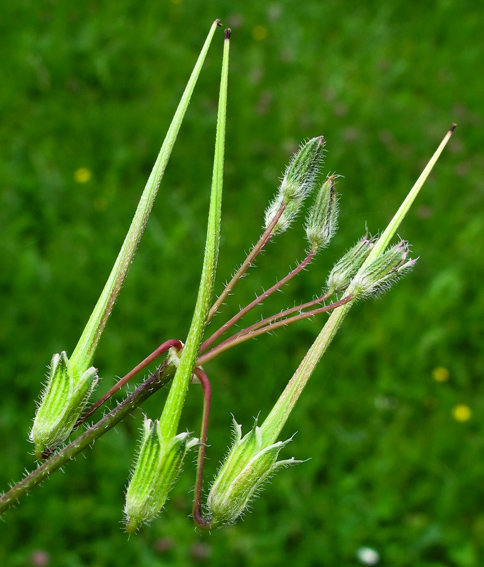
(242, 450)
(322, 220)
(349, 264)
(383, 272)
(154, 474)
(247, 466)
(62, 402)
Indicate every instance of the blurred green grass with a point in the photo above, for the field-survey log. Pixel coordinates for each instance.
(94, 85)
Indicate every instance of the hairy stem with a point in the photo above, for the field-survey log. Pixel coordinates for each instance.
(279, 414)
(247, 263)
(148, 360)
(283, 314)
(241, 337)
(256, 301)
(157, 380)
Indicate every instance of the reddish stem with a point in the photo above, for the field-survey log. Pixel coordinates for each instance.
(155, 354)
(256, 301)
(243, 336)
(268, 320)
(256, 250)
(201, 522)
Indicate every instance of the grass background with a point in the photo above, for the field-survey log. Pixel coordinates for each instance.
(94, 85)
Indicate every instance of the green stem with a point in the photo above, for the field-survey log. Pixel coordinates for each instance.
(279, 414)
(170, 416)
(84, 352)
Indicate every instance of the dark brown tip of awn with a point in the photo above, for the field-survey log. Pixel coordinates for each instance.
(218, 22)
(228, 33)
(453, 127)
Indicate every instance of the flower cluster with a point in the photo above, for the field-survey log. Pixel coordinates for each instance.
(369, 268)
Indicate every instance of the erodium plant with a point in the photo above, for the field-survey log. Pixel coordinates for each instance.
(369, 268)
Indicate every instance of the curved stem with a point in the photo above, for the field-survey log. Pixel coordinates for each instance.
(257, 300)
(148, 360)
(157, 380)
(242, 336)
(198, 518)
(256, 250)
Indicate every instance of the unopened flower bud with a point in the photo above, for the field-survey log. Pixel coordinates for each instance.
(296, 185)
(62, 401)
(384, 271)
(322, 221)
(248, 465)
(346, 268)
(155, 472)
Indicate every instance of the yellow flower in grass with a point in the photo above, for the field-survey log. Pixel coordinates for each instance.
(461, 412)
(259, 33)
(440, 374)
(82, 175)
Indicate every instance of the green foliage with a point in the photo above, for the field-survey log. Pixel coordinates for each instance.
(94, 86)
